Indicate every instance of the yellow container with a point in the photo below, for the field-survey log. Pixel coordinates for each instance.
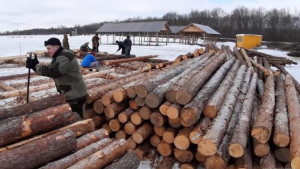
(248, 41)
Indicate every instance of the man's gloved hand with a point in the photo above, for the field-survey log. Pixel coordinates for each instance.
(31, 63)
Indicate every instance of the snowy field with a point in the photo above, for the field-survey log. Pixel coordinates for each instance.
(19, 45)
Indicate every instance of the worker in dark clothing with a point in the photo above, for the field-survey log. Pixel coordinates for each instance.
(127, 43)
(95, 41)
(65, 71)
(121, 46)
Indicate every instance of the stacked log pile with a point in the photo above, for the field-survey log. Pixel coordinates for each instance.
(218, 109)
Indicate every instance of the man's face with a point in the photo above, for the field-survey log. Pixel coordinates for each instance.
(52, 49)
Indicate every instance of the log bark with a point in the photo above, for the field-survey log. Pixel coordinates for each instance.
(104, 156)
(213, 137)
(282, 69)
(33, 106)
(239, 56)
(164, 107)
(6, 87)
(51, 147)
(142, 133)
(78, 155)
(15, 128)
(262, 128)
(141, 58)
(281, 136)
(268, 162)
(145, 113)
(90, 138)
(246, 57)
(199, 130)
(157, 119)
(189, 90)
(260, 67)
(240, 135)
(129, 161)
(184, 156)
(192, 111)
(124, 116)
(181, 141)
(114, 109)
(216, 100)
(294, 120)
(282, 154)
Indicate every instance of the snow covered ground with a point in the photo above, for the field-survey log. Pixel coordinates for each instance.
(16, 45)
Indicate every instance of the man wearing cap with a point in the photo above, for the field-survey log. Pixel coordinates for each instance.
(95, 41)
(65, 71)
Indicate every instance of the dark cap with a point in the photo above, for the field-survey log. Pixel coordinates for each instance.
(52, 41)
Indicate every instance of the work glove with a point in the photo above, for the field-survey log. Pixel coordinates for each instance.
(31, 63)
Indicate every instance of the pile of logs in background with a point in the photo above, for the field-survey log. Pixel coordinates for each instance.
(212, 108)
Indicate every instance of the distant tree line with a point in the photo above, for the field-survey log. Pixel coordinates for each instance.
(274, 24)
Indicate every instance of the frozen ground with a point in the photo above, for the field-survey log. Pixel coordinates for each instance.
(16, 45)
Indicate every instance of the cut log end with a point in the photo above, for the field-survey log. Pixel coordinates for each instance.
(210, 111)
(141, 91)
(261, 134)
(164, 107)
(118, 95)
(138, 138)
(171, 96)
(236, 150)
(194, 137)
(183, 97)
(207, 147)
(164, 149)
(215, 162)
(295, 163)
(182, 142)
(261, 150)
(188, 114)
(281, 139)
(131, 92)
(106, 99)
(152, 101)
(172, 112)
(98, 107)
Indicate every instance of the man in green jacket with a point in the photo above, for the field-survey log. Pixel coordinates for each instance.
(65, 71)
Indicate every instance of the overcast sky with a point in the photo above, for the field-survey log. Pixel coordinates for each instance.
(28, 14)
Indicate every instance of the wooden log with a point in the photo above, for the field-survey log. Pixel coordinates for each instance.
(130, 128)
(32, 106)
(239, 56)
(282, 69)
(262, 128)
(260, 67)
(143, 150)
(199, 130)
(121, 134)
(169, 135)
(246, 57)
(90, 138)
(281, 136)
(107, 128)
(104, 156)
(260, 87)
(261, 149)
(115, 125)
(200, 157)
(192, 111)
(282, 154)
(131, 143)
(244, 162)
(239, 138)
(119, 94)
(32, 74)
(155, 140)
(15, 128)
(141, 58)
(156, 60)
(164, 107)
(135, 118)
(175, 123)
(129, 161)
(89, 113)
(98, 121)
(52, 147)
(188, 166)
(124, 116)
(181, 141)
(164, 149)
(171, 92)
(294, 120)
(98, 106)
(215, 102)
(268, 162)
(157, 119)
(164, 64)
(6, 87)
(213, 137)
(173, 111)
(142, 133)
(159, 130)
(107, 98)
(140, 101)
(133, 105)
(145, 113)
(79, 155)
(114, 109)
(184, 156)
(189, 90)
(111, 57)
